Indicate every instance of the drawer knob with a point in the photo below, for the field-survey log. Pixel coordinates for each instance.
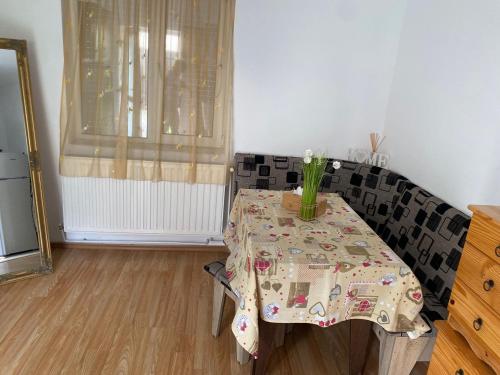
(497, 251)
(488, 285)
(477, 324)
(459, 372)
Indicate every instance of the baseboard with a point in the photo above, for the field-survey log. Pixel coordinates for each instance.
(138, 247)
(143, 237)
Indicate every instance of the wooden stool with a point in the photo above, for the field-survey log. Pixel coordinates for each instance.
(220, 292)
(222, 288)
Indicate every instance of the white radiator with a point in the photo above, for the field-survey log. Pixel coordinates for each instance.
(101, 209)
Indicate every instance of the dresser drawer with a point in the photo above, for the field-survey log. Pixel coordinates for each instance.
(477, 322)
(452, 355)
(482, 275)
(484, 234)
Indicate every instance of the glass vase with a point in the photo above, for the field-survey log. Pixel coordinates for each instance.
(307, 211)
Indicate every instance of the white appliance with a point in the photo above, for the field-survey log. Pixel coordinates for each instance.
(17, 225)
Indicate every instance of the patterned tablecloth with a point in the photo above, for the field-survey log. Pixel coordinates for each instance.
(322, 272)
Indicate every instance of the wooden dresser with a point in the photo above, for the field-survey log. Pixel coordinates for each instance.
(470, 338)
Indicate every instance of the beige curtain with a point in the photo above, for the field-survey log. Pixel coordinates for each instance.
(147, 89)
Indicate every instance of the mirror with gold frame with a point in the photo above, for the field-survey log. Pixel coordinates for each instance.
(24, 242)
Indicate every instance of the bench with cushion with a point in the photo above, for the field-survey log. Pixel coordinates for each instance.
(428, 235)
(371, 191)
(426, 232)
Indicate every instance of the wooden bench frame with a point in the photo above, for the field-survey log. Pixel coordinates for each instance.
(398, 354)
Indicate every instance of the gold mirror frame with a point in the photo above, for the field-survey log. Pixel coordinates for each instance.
(44, 266)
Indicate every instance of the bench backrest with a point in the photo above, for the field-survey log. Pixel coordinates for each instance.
(371, 191)
(428, 234)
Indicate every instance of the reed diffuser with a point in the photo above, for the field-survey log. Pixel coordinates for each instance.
(376, 141)
(313, 171)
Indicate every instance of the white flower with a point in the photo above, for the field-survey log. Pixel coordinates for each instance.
(307, 159)
(336, 164)
(308, 153)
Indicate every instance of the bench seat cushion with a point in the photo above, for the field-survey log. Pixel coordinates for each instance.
(428, 234)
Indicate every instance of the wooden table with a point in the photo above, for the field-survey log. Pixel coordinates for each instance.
(323, 272)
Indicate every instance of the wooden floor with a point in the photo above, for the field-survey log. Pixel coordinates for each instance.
(140, 312)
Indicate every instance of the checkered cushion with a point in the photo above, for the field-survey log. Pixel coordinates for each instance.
(428, 234)
(266, 172)
(371, 191)
(433, 309)
(218, 270)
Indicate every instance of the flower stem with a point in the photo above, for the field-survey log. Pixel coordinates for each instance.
(313, 174)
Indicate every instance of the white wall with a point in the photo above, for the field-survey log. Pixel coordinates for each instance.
(313, 74)
(39, 22)
(443, 116)
(325, 68)
(319, 75)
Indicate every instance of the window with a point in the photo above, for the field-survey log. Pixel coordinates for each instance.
(144, 82)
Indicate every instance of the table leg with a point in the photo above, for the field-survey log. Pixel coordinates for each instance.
(267, 339)
(359, 334)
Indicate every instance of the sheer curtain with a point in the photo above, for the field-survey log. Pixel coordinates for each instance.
(147, 89)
